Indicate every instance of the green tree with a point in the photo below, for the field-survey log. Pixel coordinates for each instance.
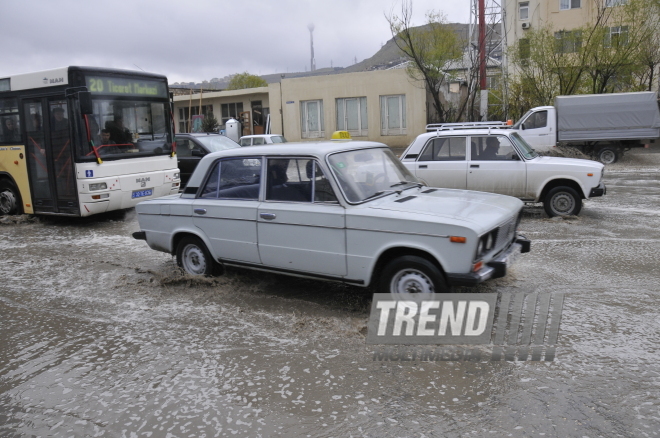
(245, 80)
(431, 49)
(210, 123)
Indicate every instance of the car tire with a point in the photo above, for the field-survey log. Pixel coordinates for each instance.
(193, 257)
(10, 200)
(412, 274)
(608, 155)
(562, 201)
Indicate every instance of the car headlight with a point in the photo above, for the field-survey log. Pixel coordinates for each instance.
(489, 242)
(176, 175)
(98, 186)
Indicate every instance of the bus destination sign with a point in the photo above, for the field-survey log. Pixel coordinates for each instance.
(125, 87)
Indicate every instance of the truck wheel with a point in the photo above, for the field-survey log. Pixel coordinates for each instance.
(193, 257)
(412, 274)
(608, 155)
(562, 201)
(10, 200)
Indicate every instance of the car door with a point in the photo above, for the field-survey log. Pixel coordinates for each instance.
(188, 154)
(536, 131)
(496, 167)
(443, 163)
(226, 209)
(301, 226)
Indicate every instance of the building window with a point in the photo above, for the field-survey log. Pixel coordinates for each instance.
(184, 116)
(352, 116)
(523, 10)
(569, 4)
(393, 115)
(567, 41)
(617, 36)
(524, 49)
(311, 112)
(610, 3)
(231, 111)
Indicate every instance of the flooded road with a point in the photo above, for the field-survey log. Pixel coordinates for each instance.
(102, 336)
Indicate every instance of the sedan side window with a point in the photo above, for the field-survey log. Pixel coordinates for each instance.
(245, 141)
(492, 148)
(235, 178)
(288, 180)
(258, 141)
(444, 149)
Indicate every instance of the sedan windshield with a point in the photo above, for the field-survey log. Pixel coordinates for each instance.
(524, 147)
(369, 173)
(216, 143)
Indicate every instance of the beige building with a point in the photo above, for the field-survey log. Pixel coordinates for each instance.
(560, 15)
(381, 105)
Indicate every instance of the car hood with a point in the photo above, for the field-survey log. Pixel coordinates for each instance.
(573, 162)
(481, 211)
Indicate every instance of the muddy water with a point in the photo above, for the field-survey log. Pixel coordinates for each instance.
(101, 336)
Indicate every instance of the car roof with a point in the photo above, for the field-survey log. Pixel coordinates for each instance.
(317, 149)
(481, 131)
(261, 135)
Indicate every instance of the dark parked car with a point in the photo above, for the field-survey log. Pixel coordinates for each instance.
(190, 148)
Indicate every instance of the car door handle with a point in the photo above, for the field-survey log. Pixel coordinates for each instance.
(200, 211)
(474, 166)
(267, 216)
(423, 166)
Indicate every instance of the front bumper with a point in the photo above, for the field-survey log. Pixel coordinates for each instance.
(598, 191)
(496, 268)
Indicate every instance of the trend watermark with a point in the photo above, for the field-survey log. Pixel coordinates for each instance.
(515, 327)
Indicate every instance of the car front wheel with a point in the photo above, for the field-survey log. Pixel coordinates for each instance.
(193, 257)
(412, 274)
(562, 201)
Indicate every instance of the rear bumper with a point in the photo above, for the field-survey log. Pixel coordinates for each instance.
(598, 191)
(496, 268)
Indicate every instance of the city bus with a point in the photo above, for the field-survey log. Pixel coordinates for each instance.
(78, 141)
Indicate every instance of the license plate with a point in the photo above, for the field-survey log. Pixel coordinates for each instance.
(142, 193)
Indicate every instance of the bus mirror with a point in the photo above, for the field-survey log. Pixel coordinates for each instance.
(85, 99)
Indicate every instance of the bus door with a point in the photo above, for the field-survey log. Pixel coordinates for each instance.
(51, 169)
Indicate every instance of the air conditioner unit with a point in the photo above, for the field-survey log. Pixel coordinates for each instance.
(525, 25)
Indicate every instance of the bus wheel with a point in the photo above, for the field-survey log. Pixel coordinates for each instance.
(9, 198)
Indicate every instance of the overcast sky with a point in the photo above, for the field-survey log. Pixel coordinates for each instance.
(199, 40)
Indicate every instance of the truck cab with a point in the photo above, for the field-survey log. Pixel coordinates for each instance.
(539, 128)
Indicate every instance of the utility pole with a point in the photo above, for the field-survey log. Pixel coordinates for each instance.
(312, 63)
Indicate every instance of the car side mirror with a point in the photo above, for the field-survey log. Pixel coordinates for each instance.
(515, 157)
(197, 153)
(522, 126)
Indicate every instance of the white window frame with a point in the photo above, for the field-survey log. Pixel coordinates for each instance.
(565, 5)
(385, 129)
(523, 7)
(620, 32)
(362, 116)
(304, 119)
(612, 3)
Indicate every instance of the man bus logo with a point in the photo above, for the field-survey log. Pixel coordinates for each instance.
(89, 173)
(515, 325)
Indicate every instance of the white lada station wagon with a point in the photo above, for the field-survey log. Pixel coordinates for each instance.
(492, 158)
(343, 211)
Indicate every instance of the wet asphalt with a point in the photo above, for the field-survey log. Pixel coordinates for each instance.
(102, 336)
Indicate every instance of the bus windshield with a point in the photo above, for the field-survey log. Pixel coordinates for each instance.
(127, 128)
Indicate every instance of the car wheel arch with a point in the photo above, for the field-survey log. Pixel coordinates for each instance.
(567, 182)
(179, 235)
(395, 252)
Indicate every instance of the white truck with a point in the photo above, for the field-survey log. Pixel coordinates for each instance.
(600, 125)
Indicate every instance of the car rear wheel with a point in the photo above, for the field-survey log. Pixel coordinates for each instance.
(193, 257)
(562, 201)
(9, 198)
(412, 274)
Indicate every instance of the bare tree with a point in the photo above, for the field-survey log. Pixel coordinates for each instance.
(431, 49)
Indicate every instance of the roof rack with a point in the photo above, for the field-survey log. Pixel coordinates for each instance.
(466, 125)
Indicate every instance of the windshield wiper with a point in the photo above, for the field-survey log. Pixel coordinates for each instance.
(378, 193)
